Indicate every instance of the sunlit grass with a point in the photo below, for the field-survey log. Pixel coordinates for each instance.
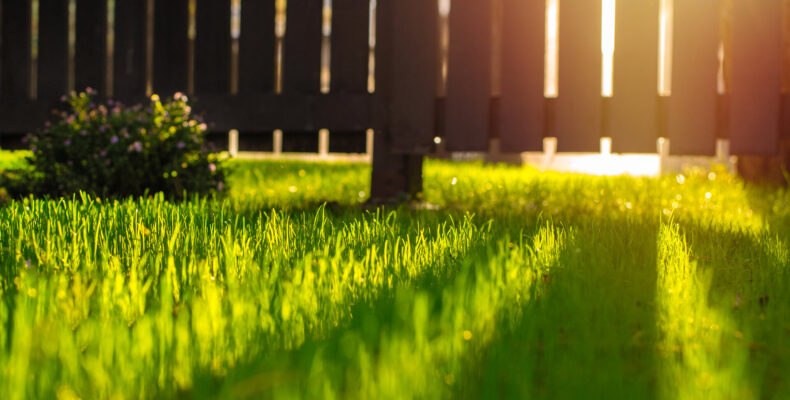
(506, 282)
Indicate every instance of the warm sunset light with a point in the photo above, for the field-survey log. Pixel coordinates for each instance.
(665, 49)
(552, 48)
(607, 46)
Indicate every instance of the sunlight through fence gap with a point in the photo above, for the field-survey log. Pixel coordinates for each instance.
(551, 86)
(608, 9)
(665, 48)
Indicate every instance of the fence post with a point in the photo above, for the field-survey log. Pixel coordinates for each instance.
(407, 46)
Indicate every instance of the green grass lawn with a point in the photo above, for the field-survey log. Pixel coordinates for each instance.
(507, 283)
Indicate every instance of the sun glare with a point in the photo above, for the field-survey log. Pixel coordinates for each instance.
(552, 48)
(607, 46)
(665, 49)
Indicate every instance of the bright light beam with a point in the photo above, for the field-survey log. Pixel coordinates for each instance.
(607, 46)
(665, 49)
(550, 84)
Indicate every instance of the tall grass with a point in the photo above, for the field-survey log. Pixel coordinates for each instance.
(511, 283)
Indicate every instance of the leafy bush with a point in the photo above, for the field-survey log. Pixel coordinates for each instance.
(108, 149)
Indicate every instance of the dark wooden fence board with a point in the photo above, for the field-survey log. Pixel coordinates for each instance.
(53, 49)
(15, 68)
(350, 47)
(212, 46)
(692, 105)
(406, 82)
(468, 96)
(633, 117)
(578, 106)
(171, 41)
(256, 47)
(756, 72)
(785, 124)
(248, 112)
(302, 47)
(90, 58)
(522, 101)
(407, 72)
(23, 117)
(130, 55)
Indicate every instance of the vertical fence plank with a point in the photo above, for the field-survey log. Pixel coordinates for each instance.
(633, 116)
(256, 47)
(302, 47)
(90, 58)
(468, 99)
(171, 41)
(692, 105)
(522, 102)
(349, 64)
(53, 48)
(301, 73)
(406, 81)
(212, 46)
(407, 71)
(15, 68)
(756, 72)
(578, 105)
(350, 48)
(129, 66)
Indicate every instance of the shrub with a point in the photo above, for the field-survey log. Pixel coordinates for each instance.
(107, 149)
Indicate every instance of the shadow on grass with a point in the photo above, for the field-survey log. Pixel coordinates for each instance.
(748, 279)
(590, 334)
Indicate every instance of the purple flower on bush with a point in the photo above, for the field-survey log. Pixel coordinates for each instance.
(102, 128)
(33, 149)
(24, 139)
(136, 146)
(67, 142)
(114, 139)
(212, 167)
(180, 145)
(103, 153)
(84, 133)
(69, 163)
(220, 186)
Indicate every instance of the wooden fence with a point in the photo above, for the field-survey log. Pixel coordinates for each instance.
(494, 79)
